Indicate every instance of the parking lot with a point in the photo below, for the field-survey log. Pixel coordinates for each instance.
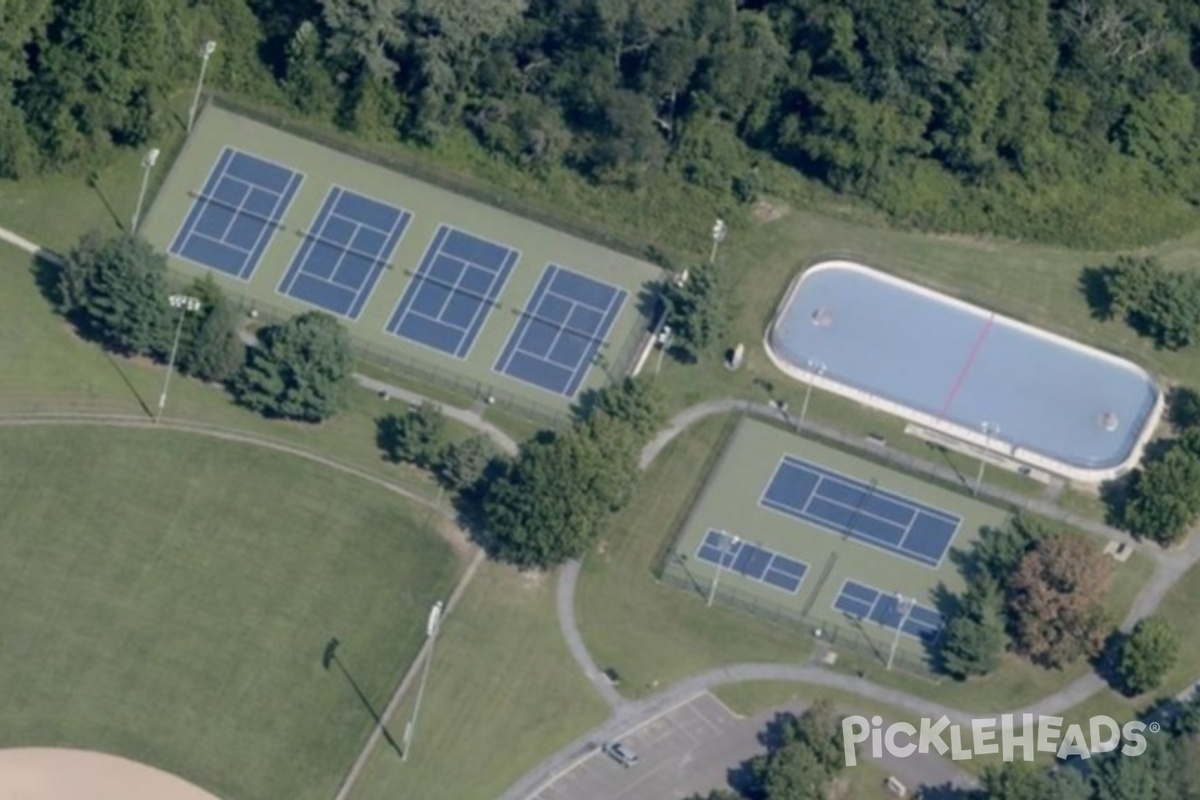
(687, 750)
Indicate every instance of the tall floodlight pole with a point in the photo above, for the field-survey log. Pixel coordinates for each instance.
(719, 231)
(148, 162)
(730, 546)
(905, 606)
(206, 52)
(185, 305)
(988, 431)
(815, 369)
(431, 630)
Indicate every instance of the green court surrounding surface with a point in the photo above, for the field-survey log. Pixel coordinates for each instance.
(731, 503)
(170, 597)
(323, 168)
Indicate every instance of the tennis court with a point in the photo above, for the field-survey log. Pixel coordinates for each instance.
(752, 561)
(860, 510)
(755, 533)
(345, 249)
(452, 291)
(236, 213)
(859, 601)
(562, 328)
(447, 289)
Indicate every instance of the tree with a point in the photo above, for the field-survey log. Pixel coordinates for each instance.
(997, 552)
(974, 636)
(308, 83)
(1147, 655)
(1018, 780)
(697, 310)
(101, 71)
(1057, 600)
(1160, 304)
(212, 351)
(116, 289)
(791, 772)
(716, 794)
(302, 370)
(366, 33)
(417, 436)
(547, 506)
(463, 464)
(1165, 497)
(635, 402)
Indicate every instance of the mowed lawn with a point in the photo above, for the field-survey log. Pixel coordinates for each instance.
(503, 694)
(169, 598)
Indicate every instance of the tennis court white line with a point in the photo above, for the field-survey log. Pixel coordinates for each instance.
(289, 192)
(379, 261)
(584, 365)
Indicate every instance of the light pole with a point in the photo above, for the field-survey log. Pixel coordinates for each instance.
(185, 305)
(206, 52)
(988, 430)
(905, 606)
(148, 162)
(731, 545)
(817, 368)
(719, 231)
(431, 630)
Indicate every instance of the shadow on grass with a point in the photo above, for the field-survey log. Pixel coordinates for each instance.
(93, 182)
(330, 659)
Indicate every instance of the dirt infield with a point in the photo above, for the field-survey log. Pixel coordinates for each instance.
(43, 773)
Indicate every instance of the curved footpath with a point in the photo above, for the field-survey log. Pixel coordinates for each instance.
(1169, 567)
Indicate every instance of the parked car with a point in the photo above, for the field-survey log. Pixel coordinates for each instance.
(621, 753)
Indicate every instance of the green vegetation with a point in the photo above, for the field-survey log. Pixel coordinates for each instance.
(1162, 498)
(176, 609)
(301, 369)
(1147, 655)
(697, 310)
(804, 755)
(503, 694)
(1162, 305)
(550, 503)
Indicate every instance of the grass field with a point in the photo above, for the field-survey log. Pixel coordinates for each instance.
(169, 598)
(503, 694)
(730, 503)
(323, 168)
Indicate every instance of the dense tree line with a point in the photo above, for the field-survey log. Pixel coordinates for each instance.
(1071, 120)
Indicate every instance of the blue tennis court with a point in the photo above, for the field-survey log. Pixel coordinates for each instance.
(752, 561)
(232, 220)
(860, 601)
(452, 291)
(862, 511)
(345, 250)
(563, 326)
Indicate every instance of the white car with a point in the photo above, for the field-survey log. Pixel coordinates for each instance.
(621, 753)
